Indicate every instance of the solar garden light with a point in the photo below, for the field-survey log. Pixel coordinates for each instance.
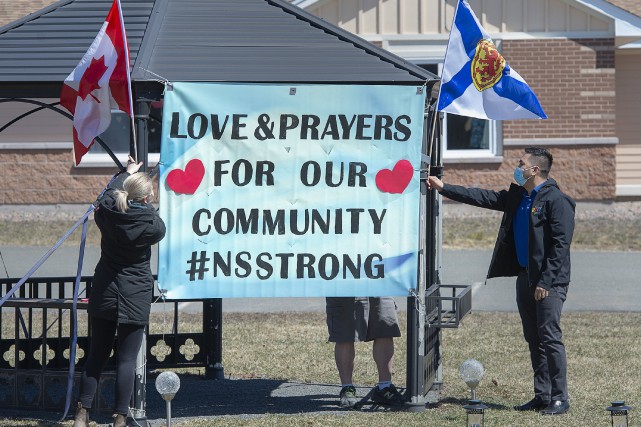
(167, 384)
(475, 413)
(619, 413)
(471, 371)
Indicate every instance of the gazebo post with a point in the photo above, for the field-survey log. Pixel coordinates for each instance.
(139, 398)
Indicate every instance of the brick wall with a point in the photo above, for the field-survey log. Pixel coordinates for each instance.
(48, 177)
(584, 172)
(575, 83)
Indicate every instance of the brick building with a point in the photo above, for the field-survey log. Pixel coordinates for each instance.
(581, 57)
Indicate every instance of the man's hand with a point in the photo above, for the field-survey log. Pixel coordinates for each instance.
(540, 293)
(434, 183)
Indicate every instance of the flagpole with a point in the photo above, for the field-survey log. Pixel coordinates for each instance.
(434, 116)
(129, 91)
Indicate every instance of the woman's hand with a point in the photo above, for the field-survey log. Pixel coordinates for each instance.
(132, 166)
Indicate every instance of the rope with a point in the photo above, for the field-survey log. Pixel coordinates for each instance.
(74, 316)
(45, 256)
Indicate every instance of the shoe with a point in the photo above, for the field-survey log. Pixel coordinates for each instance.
(120, 420)
(348, 397)
(535, 404)
(82, 417)
(557, 407)
(388, 396)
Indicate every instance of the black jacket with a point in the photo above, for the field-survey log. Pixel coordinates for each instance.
(123, 283)
(551, 229)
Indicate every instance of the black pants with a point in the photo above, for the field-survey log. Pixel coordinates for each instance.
(542, 330)
(103, 334)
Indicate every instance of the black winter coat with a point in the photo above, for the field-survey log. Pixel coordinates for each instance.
(550, 232)
(123, 283)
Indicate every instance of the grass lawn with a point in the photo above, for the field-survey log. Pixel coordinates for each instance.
(594, 234)
(604, 355)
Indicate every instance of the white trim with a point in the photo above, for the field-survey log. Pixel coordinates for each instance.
(103, 160)
(26, 145)
(597, 116)
(631, 45)
(516, 35)
(628, 190)
(432, 47)
(547, 142)
(626, 23)
(89, 160)
(473, 159)
(598, 71)
(304, 4)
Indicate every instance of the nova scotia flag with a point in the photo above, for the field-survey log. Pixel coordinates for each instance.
(477, 81)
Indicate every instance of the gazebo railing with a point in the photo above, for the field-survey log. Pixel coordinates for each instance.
(35, 336)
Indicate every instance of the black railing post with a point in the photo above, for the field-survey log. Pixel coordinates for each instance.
(213, 338)
(139, 397)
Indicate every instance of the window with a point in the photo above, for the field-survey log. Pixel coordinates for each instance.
(467, 137)
(117, 137)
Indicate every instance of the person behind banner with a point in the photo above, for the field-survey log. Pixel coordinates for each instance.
(350, 320)
(121, 292)
(534, 245)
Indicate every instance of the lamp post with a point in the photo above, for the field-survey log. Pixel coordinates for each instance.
(167, 384)
(619, 413)
(471, 371)
(475, 413)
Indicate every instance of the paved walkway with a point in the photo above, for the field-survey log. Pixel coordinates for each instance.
(601, 281)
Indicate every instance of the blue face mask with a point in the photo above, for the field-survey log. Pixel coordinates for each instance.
(518, 176)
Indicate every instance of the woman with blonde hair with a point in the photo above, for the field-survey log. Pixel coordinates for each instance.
(121, 292)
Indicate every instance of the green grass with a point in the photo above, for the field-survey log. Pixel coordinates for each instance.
(45, 233)
(595, 234)
(604, 358)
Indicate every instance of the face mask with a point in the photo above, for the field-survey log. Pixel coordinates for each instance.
(518, 176)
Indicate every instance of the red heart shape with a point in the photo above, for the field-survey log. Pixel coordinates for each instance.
(187, 181)
(395, 181)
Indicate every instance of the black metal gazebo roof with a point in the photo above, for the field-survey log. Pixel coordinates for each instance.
(195, 40)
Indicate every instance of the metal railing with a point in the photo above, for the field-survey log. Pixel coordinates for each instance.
(447, 305)
(35, 336)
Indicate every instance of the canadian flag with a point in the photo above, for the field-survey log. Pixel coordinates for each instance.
(99, 84)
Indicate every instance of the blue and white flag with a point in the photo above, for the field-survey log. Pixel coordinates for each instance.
(477, 81)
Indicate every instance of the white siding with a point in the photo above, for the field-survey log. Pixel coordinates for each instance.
(369, 17)
(415, 17)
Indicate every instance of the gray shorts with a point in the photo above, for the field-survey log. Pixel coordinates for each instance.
(352, 319)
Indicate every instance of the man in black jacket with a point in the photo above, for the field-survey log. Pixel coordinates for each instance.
(533, 244)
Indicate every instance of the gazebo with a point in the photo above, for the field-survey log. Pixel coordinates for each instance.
(249, 41)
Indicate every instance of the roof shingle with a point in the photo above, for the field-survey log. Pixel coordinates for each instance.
(632, 6)
(12, 10)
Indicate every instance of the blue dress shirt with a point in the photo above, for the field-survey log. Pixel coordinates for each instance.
(522, 226)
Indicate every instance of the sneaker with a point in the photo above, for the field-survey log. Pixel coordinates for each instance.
(388, 396)
(348, 397)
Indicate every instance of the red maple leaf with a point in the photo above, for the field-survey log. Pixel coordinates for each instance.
(91, 76)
